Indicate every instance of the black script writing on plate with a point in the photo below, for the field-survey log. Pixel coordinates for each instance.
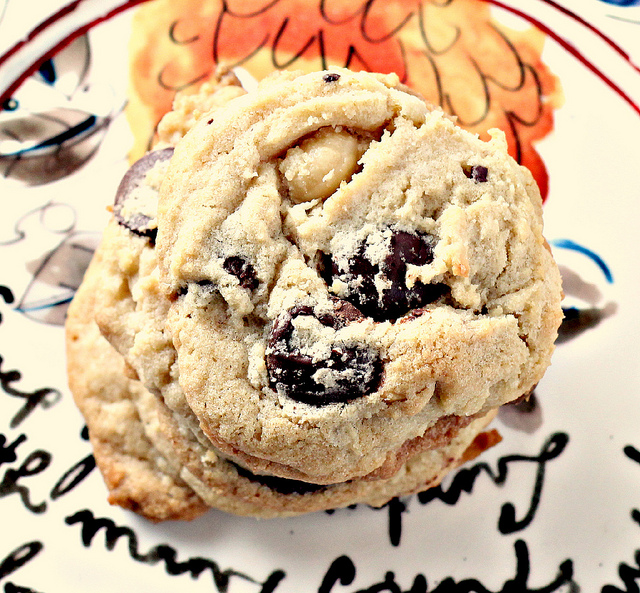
(73, 476)
(45, 397)
(465, 478)
(35, 463)
(163, 554)
(628, 574)
(342, 571)
(16, 560)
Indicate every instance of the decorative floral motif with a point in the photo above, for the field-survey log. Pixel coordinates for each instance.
(55, 121)
(454, 53)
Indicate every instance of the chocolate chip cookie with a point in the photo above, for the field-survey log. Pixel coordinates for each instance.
(328, 287)
(155, 468)
(346, 269)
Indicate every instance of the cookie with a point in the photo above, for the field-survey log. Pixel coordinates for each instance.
(153, 466)
(319, 293)
(348, 270)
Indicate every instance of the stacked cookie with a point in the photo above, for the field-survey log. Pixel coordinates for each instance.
(310, 295)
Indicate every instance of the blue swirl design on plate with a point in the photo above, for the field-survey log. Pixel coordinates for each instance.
(622, 2)
(592, 255)
(55, 121)
(578, 319)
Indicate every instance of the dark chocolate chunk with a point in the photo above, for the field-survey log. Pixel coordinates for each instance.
(360, 275)
(331, 77)
(278, 484)
(242, 270)
(355, 371)
(137, 222)
(360, 272)
(477, 173)
(206, 286)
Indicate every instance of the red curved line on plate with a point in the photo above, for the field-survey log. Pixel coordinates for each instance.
(130, 3)
(6, 94)
(55, 17)
(610, 42)
(571, 49)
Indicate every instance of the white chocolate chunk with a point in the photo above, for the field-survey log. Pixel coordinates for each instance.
(315, 168)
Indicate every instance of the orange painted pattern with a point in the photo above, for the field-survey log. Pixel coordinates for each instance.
(454, 52)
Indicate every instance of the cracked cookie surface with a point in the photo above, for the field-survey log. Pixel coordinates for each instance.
(325, 281)
(347, 188)
(160, 466)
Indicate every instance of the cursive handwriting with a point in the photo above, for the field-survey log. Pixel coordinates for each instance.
(15, 560)
(73, 476)
(11, 588)
(629, 575)
(342, 571)
(44, 397)
(163, 553)
(465, 479)
(308, 42)
(7, 296)
(38, 460)
(36, 463)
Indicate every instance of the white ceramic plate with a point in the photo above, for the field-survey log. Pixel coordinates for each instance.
(554, 507)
